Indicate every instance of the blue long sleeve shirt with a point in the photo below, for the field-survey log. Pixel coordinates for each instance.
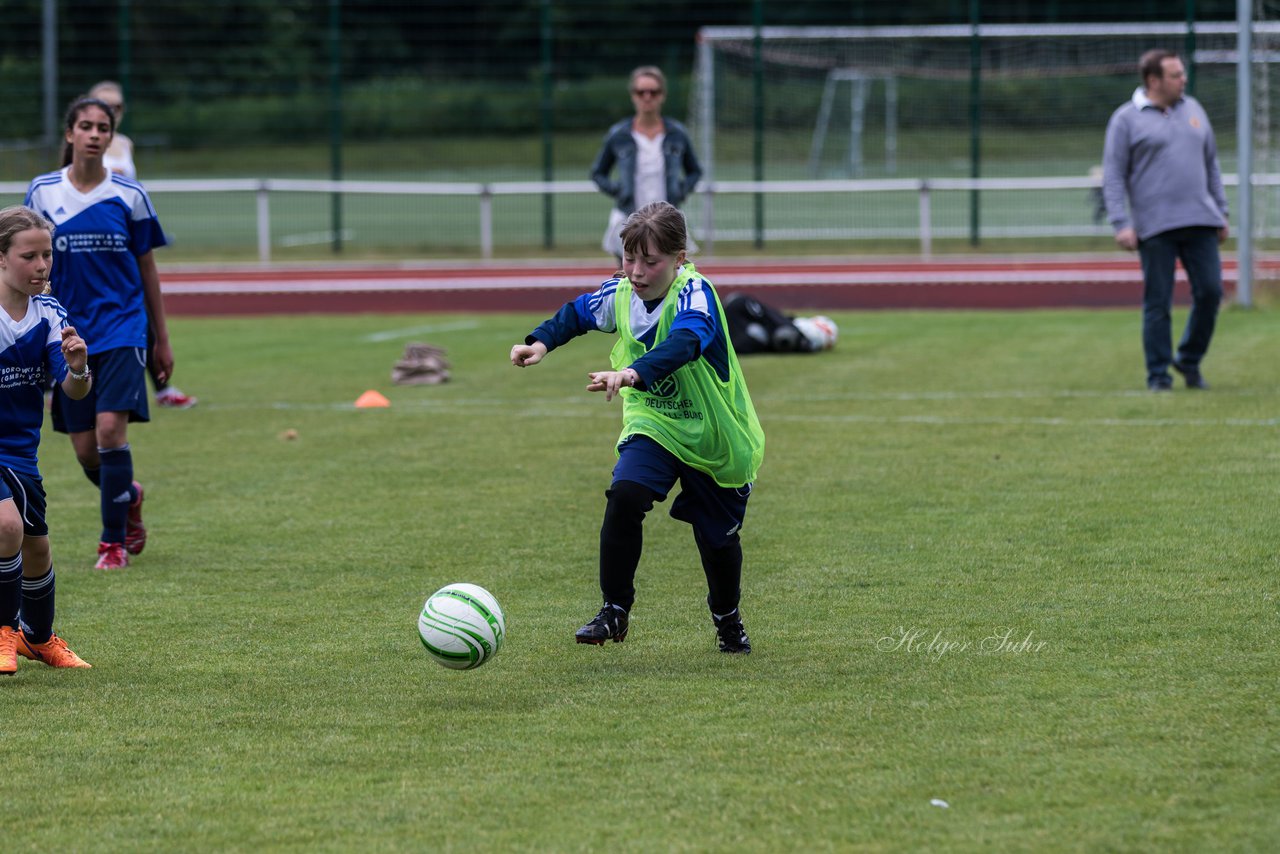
(1166, 163)
(695, 333)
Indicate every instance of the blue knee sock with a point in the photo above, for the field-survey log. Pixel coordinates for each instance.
(94, 475)
(117, 491)
(37, 607)
(10, 590)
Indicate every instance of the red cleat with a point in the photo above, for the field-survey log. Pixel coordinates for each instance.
(135, 533)
(173, 398)
(111, 556)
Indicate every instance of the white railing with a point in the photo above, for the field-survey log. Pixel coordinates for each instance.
(709, 195)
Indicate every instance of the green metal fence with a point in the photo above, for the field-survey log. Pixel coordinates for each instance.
(508, 90)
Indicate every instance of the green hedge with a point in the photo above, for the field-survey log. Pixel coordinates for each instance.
(400, 107)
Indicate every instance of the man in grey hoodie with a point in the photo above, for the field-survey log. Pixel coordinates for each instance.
(1160, 153)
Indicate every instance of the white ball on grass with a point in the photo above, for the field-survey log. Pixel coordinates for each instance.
(462, 626)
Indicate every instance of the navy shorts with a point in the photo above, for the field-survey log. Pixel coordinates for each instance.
(27, 492)
(716, 512)
(119, 385)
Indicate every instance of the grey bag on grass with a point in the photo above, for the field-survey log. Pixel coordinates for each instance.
(422, 364)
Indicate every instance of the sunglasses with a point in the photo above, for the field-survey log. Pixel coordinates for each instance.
(652, 93)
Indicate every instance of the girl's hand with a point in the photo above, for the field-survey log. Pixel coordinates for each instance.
(524, 355)
(74, 350)
(611, 382)
(163, 360)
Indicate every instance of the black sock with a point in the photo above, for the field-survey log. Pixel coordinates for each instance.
(117, 491)
(723, 568)
(37, 607)
(621, 541)
(10, 589)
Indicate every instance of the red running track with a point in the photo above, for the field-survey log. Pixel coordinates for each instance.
(792, 284)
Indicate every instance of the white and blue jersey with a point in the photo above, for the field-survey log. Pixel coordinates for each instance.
(696, 330)
(100, 236)
(30, 350)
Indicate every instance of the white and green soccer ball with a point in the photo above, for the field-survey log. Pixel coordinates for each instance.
(462, 626)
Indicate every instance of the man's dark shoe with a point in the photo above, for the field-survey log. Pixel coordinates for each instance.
(1160, 383)
(733, 637)
(1192, 375)
(611, 622)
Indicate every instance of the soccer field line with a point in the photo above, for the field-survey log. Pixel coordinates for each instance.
(1028, 421)
(446, 407)
(864, 397)
(577, 407)
(1009, 394)
(393, 334)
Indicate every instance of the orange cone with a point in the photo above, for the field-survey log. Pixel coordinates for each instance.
(371, 399)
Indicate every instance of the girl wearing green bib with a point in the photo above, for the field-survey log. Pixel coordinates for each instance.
(686, 417)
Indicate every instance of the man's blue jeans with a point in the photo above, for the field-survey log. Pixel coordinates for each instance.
(1197, 248)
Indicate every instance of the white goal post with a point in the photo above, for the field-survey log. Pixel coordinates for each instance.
(860, 83)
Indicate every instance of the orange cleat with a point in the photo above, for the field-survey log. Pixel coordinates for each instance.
(8, 651)
(52, 652)
(111, 556)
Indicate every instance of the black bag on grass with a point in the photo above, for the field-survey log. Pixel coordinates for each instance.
(755, 327)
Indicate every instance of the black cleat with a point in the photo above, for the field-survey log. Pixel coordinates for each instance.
(1161, 382)
(611, 622)
(733, 637)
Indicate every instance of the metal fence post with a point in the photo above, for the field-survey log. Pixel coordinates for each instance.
(709, 217)
(926, 221)
(486, 222)
(264, 221)
(335, 118)
(547, 127)
(757, 104)
(49, 57)
(975, 116)
(1244, 146)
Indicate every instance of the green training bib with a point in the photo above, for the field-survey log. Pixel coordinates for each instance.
(708, 423)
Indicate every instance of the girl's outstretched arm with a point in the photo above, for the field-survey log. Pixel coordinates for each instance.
(524, 355)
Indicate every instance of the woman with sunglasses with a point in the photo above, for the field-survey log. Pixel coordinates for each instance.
(653, 155)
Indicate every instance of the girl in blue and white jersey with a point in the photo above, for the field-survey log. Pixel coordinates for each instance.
(106, 278)
(35, 343)
(119, 158)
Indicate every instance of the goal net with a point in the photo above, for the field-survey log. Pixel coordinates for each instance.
(1266, 123)
(936, 102)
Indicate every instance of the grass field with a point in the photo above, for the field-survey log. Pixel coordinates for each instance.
(983, 566)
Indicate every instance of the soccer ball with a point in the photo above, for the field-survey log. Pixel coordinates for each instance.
(820, 331)
(462, 626)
